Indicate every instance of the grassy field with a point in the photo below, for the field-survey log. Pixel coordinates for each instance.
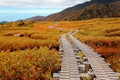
(29, 39)
(29, 64)
(31, 55)
(34, 53)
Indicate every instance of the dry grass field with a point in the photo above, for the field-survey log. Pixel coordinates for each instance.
(29, 53)
(29, 50)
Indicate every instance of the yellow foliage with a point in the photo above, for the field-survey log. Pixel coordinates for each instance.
(29, 64)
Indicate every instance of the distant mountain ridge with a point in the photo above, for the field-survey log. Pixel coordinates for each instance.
(36, 18)
(3, 22)
(88, 10)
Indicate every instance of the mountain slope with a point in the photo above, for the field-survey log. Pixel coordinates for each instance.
(89, 10)
(36, 18)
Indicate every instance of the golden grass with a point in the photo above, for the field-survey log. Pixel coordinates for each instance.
(99, 23)
(29, 64)
(31, 56)
(34, 55)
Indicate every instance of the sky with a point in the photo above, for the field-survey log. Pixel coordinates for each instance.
(12, 10)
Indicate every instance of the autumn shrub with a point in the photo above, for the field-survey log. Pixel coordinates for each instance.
(30, 64)
(32, 56)
(30, 39)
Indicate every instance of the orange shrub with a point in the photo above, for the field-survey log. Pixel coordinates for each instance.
(29, 64)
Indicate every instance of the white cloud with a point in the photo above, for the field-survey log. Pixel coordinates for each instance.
(40, 3)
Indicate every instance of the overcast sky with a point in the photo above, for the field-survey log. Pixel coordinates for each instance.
(38, 7)
(40, 3)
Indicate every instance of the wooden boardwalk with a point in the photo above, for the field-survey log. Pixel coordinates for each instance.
(72, 64)
(100, 67)
(69, 68)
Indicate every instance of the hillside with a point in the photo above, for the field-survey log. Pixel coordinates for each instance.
(36, 18)
(89, 10)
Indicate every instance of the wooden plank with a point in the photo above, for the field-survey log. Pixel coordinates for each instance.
(69, 68)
